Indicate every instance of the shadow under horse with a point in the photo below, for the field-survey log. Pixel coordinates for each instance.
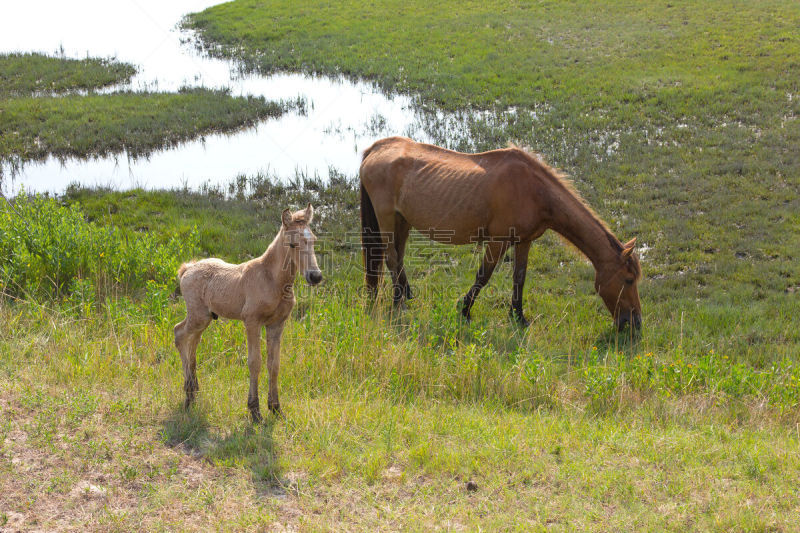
(502, 198)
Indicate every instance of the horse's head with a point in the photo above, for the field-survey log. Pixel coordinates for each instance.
(616, 282)
(301, 241)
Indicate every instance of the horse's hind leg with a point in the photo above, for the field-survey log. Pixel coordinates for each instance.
(494, 254)
(389, 236)
(401, 229)
(521, 250)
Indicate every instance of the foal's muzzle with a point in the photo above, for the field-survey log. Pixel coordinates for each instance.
(313, 277)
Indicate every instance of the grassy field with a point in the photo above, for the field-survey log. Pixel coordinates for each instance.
(36, 121)
(677, 122)
(94, 437)
(564, 425)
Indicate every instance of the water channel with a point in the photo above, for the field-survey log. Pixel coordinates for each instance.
(341, 117)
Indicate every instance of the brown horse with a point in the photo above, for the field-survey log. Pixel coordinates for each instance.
(258, 292)
(503, 198)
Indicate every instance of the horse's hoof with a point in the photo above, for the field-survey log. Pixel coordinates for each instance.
(463, 311)
(275, 409)
(409, 293)
(256, 417)
(519, 319)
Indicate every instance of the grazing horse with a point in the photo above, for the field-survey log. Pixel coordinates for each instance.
(503, 198)
(258, 292)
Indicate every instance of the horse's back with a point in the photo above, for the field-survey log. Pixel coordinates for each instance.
(454, 193)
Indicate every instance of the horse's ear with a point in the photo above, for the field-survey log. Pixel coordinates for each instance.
(286, 217)
(627, 248)
(309, 214)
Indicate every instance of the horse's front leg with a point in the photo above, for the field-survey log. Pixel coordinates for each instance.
(520, 267)
(274, 333)
(494, 253)
(254, 365)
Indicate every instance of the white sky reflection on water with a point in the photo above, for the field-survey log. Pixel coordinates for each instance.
(342, 118)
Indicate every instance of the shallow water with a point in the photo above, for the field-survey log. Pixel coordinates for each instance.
(342, 118)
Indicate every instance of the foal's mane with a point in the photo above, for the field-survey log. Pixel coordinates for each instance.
(562, 181)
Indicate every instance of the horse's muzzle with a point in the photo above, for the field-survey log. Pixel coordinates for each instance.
(633, 318)
(313, 277)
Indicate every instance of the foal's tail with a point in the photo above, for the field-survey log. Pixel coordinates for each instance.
(181, 272)
(371, 243)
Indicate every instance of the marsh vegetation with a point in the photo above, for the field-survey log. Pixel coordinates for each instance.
(49, 107)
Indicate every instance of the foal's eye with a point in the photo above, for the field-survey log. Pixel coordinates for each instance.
(629, 282)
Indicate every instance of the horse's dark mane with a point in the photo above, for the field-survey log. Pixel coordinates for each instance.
(562, 180)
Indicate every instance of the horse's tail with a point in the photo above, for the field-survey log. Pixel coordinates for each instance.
(371, 242)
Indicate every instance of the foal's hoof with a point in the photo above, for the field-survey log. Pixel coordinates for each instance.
(187, 403)
(256, 417)
(275, 409)
(409, 293)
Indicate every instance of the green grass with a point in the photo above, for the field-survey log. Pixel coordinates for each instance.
(35, 124)
(98, 402)
(611, 55)
(23, 74)
(139, 123)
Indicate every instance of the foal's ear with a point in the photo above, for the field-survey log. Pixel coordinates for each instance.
(286, 217)
(627, 248)
(309, 214)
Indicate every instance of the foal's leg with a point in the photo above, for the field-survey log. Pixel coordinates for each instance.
(494, 253)
(521, 250)
(401, 229)
(189, 385)
(187, 337)
(254, 365)
(274, 333)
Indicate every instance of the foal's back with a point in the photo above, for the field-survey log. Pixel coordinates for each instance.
(222, 288)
